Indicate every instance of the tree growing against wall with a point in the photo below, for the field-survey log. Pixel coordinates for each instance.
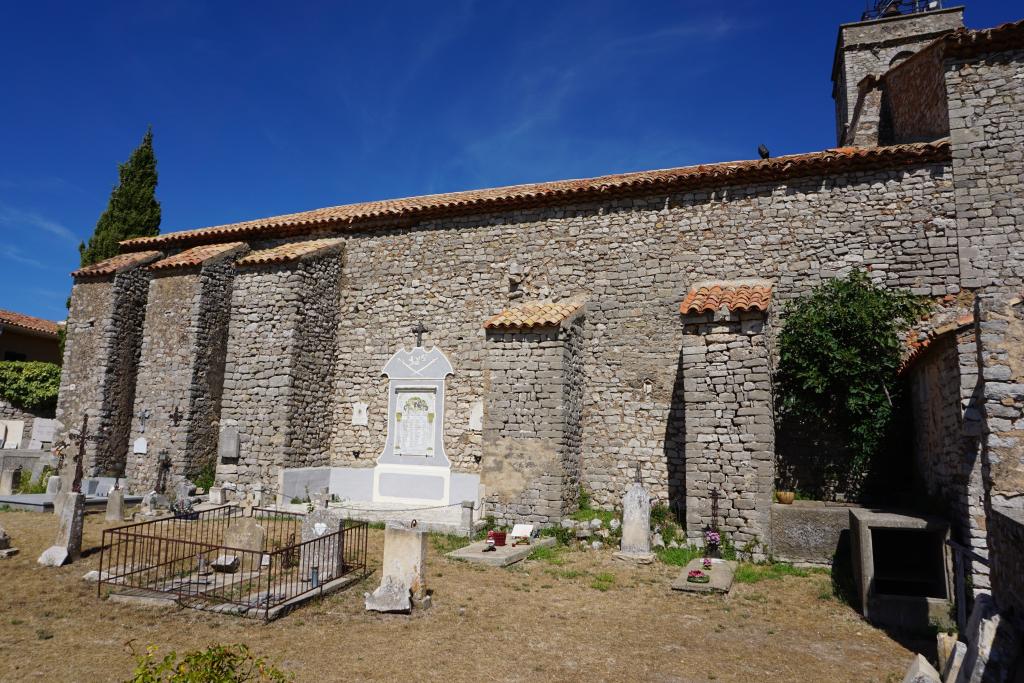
(133, 209)
(840, 350)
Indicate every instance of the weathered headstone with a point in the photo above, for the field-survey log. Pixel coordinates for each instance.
(217, 495)
(5, 545)
(636, 526)
(245, 533)
(184, 489)
(921, 671)
(53, 485)
(8, 480)
(43, 430)
(402, 572)
(227, 444)
(58, 500)
(115, 505)
(325, 556)
(67, 547)
(956, 659)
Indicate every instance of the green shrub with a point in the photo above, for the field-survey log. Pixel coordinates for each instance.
(220, 663)
(26, 485)
(30, 385)
(840, 349)
(603, 581)
(679, 557)
(660, 514)
(583, 499)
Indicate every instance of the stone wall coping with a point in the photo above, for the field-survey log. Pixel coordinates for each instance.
(292, 251)
(117, 264)
(200, 256)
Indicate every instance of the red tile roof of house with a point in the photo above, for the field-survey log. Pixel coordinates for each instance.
(535, 314)
(197, 256)
(39, 326)
(291, 251)
(737, 295)
(117, 264)
(353, 216)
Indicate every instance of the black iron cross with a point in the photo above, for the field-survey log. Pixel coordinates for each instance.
(714, 508)
(419, 329)
(176, 416)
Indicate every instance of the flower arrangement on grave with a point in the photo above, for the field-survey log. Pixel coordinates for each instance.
(182, 507)
(707, 564)
(712, 542)
(697, 576)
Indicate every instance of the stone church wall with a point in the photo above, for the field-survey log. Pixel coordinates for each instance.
(101, 355)
(914, 105)
(181, 372)
(945, 396)
(634, 260)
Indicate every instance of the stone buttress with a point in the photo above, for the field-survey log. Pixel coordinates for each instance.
(181, 368)
(280, 366)
(101, 355)
(530, 467)
(727, 412)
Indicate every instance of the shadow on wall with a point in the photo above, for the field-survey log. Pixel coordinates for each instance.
(675, 446)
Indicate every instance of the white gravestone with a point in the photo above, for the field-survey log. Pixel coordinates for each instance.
(115, 506)
(413, 467)
(11, 432)
(141, 446)
(360, 414)
(68, 545)
(43, 430)
(636, 526)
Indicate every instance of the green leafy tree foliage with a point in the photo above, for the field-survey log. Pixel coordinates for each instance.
(220, 663)
(30, 385)
(839, 353)
(133, 210)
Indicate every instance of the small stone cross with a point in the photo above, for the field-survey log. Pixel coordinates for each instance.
(419, 329)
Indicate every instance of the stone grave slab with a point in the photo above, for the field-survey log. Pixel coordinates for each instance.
(67, 547)
(246, 534)
(43, 430)
(405, 557)
(115, 506)
(722, 572)
(11, 432)
(502, 556)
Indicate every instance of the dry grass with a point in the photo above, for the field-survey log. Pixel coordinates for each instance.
(582, 617)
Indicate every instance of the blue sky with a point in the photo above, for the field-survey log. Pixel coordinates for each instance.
(260, 108)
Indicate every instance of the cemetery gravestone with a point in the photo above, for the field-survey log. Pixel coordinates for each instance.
(68, 545)
(53, 485)
(12, 433)
(5, 545)
(326, 557)
(43, 430)
(115, 506)
(403, 570)
(217, 496)
(636, 526)
(227, 444)
(246, 534)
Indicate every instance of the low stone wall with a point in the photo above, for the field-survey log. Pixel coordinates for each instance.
(809, 532)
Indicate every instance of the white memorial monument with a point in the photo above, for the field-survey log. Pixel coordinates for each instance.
(413, 467)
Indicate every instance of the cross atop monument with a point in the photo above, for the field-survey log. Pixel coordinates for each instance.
(419, 329)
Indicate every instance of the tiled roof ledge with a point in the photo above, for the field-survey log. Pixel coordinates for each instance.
(292, 251)
(721, 299)
(117, 264)
(201, 256)
(530, 315)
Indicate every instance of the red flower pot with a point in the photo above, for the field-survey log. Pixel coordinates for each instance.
(497, 536)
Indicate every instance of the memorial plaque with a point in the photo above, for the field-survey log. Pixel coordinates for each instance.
(140, 446)
(360, 414)
(414, 422)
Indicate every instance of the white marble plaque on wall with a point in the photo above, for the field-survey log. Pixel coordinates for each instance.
(140, 446)
(415, 418)
(360, 414)
(476, 417)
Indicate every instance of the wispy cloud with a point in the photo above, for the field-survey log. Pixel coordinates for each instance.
(13, 253)
(19, 218)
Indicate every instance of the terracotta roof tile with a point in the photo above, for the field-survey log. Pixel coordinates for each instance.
(291, 251)
(966, 42)
(40, 326)
(197, 256)
(737, 295)
(535, 314)
(351, 216)
(118, 264)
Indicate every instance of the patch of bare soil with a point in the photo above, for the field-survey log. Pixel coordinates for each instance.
(589, 618)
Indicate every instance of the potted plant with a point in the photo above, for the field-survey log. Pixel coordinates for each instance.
(713, 542)
(785, 497)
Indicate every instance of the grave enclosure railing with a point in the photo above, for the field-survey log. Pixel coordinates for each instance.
(178, 556)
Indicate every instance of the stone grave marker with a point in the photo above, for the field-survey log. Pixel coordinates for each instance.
(324, 556)
(5, 545)
(227, 443)
(53, 485)
(636, 526)
(154, 503)
(12, 433)
(43, 430)
(115, 506)
(218, 496)
(245, 533)
(67, 547)
(8, 480)
(403, 572)
(141, 446)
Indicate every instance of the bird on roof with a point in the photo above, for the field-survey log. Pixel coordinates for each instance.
(763, 151)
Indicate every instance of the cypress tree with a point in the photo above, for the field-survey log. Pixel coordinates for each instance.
(133, 210)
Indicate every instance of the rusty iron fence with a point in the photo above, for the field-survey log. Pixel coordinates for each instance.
(185, 557)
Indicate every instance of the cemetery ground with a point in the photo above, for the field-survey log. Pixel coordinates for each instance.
(567, 615)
